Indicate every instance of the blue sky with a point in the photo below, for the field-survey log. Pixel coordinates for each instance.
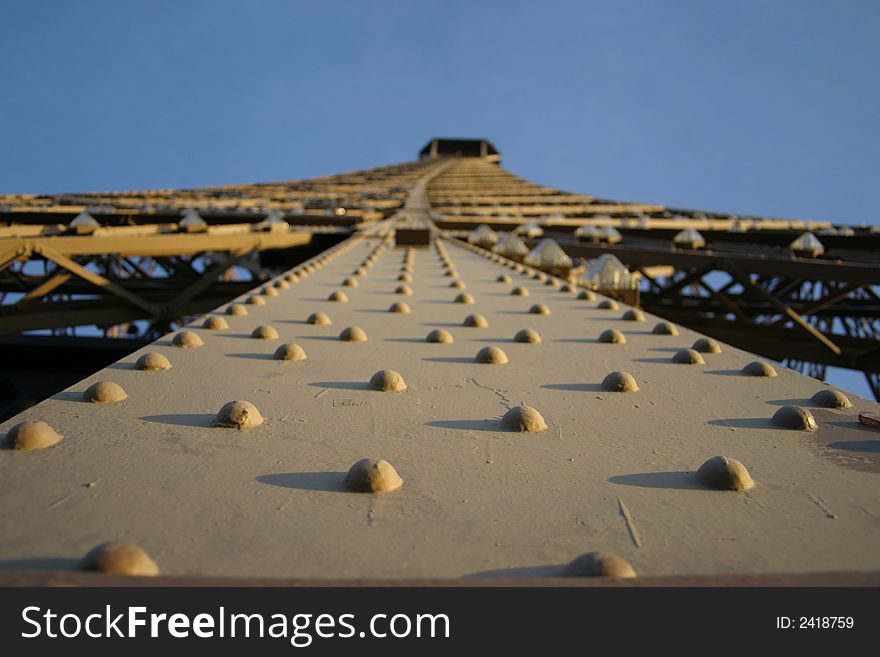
(764, 106)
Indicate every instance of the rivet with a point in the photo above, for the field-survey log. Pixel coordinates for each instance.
(466, 298)
(831, 399)
(319, 319)
(256, 300)
(373, 476)
(400, 307)
(523, 418)
(187, 339)
(153, 362)
(440, 336)
(520, 292)
(292, 278)
(338, 296)
(405, 290)
(281, 284)
(688, 357)
(665, 328)
(387, 381)
(405, 278)
(236, 309)
(104, 392)
(238, 415)
(612, 336)
(503, 278)
(707, 346)
(360, 271)
(215, 324)
(633, 315)
(290, 351)
(599, 564)
(758, 368)
(269, 291)
(32, 434)
(353, 334)
(350, 282)
(540, 276)
(458, 284)
(608, 304)
(491, 355)
(586, 295)
(795, 417)
(265, 332)
(553, 282)
(620, 382)
(725, 473)
(476, 321)
(120, 559)
(451, 273)
(530, 336)
(539, 309)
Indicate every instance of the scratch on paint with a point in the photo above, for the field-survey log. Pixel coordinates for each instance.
(322, 392)
(821, 504)
(501, 393)
(630, 523)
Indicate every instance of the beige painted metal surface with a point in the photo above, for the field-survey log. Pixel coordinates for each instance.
(613, 472)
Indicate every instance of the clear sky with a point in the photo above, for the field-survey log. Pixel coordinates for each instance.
(754, 106)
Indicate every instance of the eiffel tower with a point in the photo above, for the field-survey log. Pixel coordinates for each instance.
(540, 373)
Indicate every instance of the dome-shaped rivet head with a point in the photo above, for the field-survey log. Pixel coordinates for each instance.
(523, 418)
(503, 278)
(353, 334)
(405, 278)
(153, 362)
(529, 336)
(476, 321)
(405, 290)
(292, 278)
(539, 276)
(465, 297)
(360, 271)
(290, 351)
(758, 368)
(633, 315)
(350, 282)
(707, 346)
(236, 309)
(120, 559)
(458, 285)
(688, 357)
(665, 328)
(319, 319)
(566, 287)
(612, 336)
(104, 392)
(795, 417)
(725, 473)
(620, 382)
(400, 307)
(520, 292)
(187, 339)
(238, 415)
(491, 355)
(553, 282)
(608, 304)
(373, 476)
(599, 564)
(339, 297)
(831, 399)
(265, 332)
(539, 309)
(215, 323)
(586, 295)
(32, 434)
(451, 273)
(269, 291)
(281, 284)
(387, 381)
(441, 336)
(256, 300)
